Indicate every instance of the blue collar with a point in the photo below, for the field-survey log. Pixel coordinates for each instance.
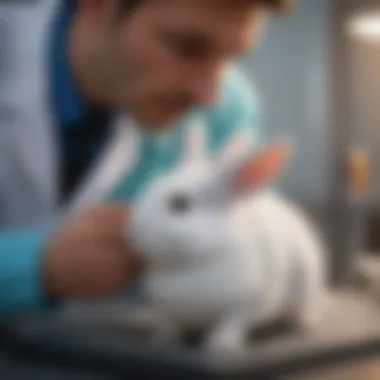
(68, 104)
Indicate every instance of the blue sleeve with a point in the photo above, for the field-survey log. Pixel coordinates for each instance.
(237, 109)
(21, 260)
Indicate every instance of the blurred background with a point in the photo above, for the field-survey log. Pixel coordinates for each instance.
(318, 75)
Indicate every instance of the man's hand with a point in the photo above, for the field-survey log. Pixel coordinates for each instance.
(88, 258)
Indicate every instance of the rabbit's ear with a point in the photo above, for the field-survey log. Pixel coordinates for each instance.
(195, 143)
(238, 146)
(258, 170)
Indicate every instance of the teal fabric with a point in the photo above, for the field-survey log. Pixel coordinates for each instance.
(21, 262)
(22, 252)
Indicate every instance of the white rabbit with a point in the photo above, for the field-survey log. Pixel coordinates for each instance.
(222, 250)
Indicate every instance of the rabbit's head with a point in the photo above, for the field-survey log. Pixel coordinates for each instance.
(183, 217)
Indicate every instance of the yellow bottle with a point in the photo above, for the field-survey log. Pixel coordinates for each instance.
(358, 172)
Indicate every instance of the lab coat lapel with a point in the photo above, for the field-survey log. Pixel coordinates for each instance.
(115, 163)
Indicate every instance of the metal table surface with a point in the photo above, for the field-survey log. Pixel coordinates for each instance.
(105, 347)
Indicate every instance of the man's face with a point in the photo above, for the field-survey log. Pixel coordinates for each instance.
(166, 56)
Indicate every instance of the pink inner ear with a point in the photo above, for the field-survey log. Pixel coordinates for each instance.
(261, 169)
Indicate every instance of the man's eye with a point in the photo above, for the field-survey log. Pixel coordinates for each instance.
(190, 50)
(179, 203)
(191, 47)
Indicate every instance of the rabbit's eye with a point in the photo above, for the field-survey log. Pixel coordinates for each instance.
(179, 203)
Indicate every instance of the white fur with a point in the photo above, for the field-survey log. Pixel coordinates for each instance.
(229, 264)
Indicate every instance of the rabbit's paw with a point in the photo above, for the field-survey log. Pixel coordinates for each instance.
(224, 344)
(229, 337)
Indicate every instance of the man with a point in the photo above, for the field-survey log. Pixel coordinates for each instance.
(164, 63)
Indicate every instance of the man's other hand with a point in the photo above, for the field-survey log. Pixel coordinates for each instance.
(88, 257)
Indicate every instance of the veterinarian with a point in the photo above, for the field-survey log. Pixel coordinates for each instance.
(95, 100)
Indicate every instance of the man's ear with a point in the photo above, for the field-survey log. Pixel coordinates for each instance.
(260, 169)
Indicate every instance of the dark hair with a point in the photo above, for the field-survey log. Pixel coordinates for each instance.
(128, 5)
(276, 5)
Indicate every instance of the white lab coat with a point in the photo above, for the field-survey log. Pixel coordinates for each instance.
(28, 148)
